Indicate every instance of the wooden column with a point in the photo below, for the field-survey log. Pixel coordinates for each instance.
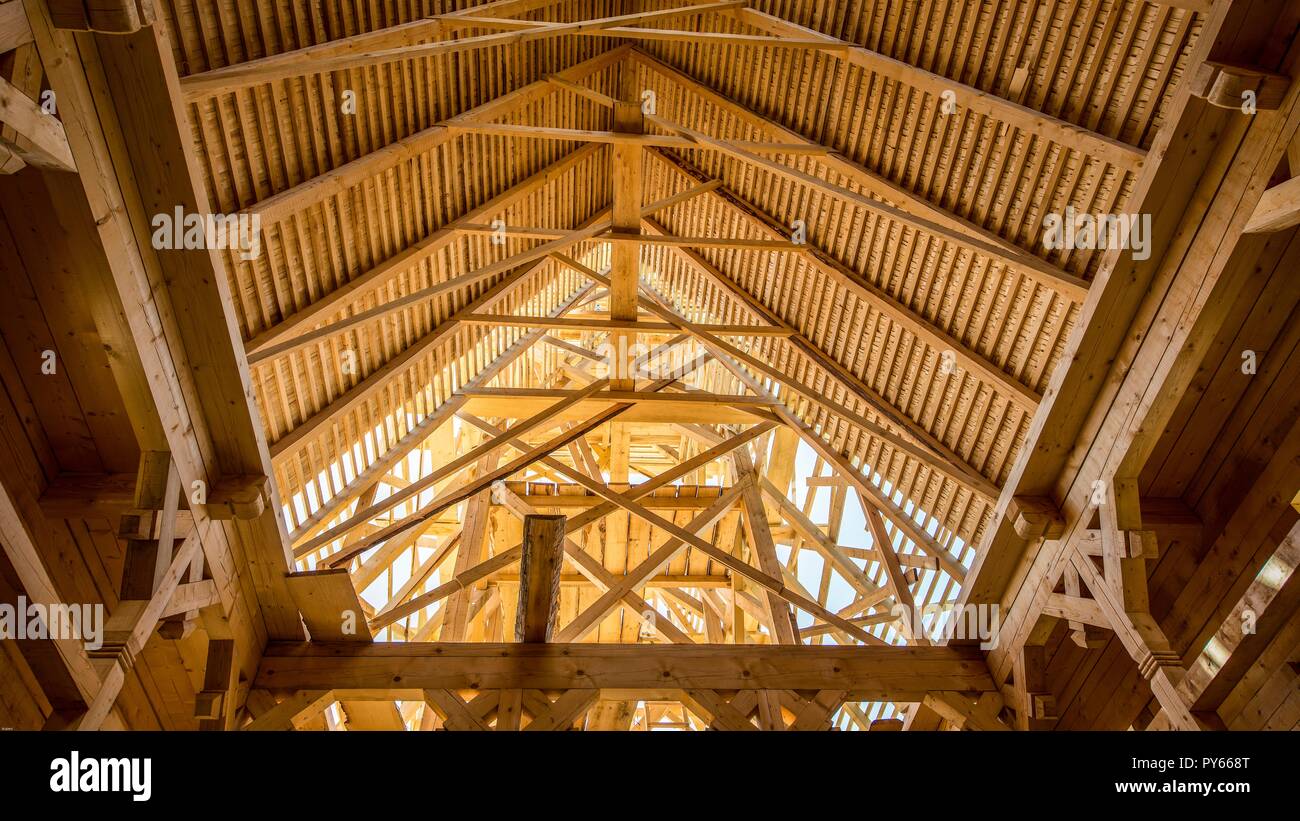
(539, 577)
(625, 260)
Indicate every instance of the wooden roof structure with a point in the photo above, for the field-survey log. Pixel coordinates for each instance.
(641, 364)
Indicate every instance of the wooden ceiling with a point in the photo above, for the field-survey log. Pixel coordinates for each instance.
(889, 390)
(924, 246)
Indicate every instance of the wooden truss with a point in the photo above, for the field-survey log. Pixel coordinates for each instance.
(571, 457)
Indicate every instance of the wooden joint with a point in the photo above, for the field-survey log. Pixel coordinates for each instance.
(238, 497)
(146, 525)
(1157, 659)
(103, 16)
(1143, 544)
(1232, 87)
(1090, 637)
(1037, 517)
(208, 704)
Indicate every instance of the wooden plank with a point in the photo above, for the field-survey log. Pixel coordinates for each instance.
(88, 496)
(456, 715)
(157, 147)
(632, 325)
(1075, 608)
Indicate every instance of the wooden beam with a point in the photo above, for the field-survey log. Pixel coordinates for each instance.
(723, 350)
(1219, 162)
(294, 712)
(542, 420)
(329, 605)
(626, 161)
(734, 243)
(864, 673)
(104, 16)
(718, 38)
(88, 496)
(614, 325)
(1278, 209)
(427, 294)
(539, 578)
(589, 618)
(823, 544)
(1145, 641)
(283, 447)
(1037, 517)
(395, 367)
(44, 143)
(617, 138)
(961, 712)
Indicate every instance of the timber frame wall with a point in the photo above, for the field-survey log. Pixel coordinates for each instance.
(413, 460)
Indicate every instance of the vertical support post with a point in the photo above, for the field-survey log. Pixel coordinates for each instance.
(539, 577)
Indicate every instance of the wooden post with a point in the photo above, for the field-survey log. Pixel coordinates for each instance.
(539, 577)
